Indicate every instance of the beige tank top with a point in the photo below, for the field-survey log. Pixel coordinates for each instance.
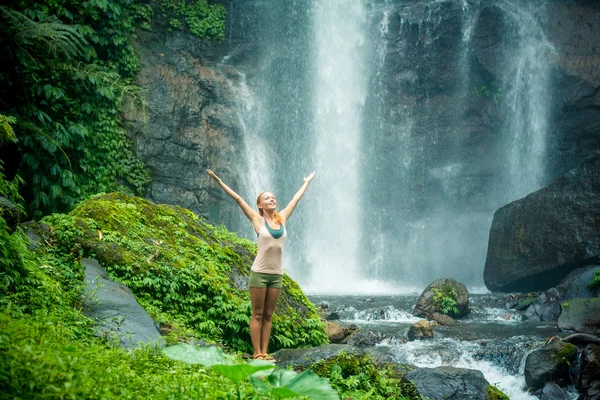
(269, 257)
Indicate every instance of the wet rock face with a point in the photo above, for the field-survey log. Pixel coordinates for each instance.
(536, 241)
(189, 124)
(430, 300)
(550, 363)
(449, 383)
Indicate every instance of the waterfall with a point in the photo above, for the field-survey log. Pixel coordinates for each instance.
(333, 224)
(525, 95)
(384, 100)
(257, 153)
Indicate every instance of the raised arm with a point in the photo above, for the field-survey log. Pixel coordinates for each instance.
(289, 209)
(252, 215)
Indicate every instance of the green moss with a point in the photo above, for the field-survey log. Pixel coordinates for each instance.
(183, 270)
(493, 393)
(566, 353)
(357, 377)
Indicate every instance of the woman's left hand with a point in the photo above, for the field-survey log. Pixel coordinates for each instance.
(309, 178)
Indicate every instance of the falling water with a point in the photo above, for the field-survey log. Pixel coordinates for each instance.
(526, 95)
(333, 224)
(258, 154)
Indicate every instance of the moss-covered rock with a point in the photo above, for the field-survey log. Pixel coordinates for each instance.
(550, 362)
(183, 270)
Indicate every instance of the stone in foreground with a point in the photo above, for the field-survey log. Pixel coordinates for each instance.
(115, 309)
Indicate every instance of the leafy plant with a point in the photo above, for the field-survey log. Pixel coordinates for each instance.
(445, 300)
(203, 19)
(279, 383)
(7, 133)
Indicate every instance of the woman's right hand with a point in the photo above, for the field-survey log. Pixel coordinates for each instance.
(213, 175)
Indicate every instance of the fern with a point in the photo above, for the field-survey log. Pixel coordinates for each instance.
(6, 131)
(50, 33)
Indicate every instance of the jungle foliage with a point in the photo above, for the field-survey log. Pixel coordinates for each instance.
(66, 68)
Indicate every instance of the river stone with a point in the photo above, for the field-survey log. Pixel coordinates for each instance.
(426, 306)
(588, 378)
(335, 332)
(420, 330)
(449, 383)
(550, 363)
(552, 391)
(115, 309)
(303, 358)
(364, 338)
(581, 315)
(443, 319)
(536, 241)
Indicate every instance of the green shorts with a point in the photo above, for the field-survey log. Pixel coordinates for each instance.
(260, 280)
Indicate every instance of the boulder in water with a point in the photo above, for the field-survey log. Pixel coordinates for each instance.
(420, 330)
(443, 319)
(536, 241)
(550, 363)
(581, 315)
(445, 296)
(588, 377)
(449, 383)
(364, 338)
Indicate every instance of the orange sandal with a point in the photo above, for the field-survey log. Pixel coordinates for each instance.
(258, 356)
(267, 357)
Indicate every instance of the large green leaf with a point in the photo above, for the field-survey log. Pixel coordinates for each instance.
(207, 356)
(309, 384)
(239, 372)
(281, 377)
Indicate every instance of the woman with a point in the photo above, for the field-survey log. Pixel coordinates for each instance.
(266, 274)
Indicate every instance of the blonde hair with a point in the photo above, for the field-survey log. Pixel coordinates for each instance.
(278, 218)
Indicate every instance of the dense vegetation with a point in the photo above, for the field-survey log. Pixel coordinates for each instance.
(66, 68)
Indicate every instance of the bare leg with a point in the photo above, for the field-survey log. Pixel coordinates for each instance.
(257, 298)
(265, 330)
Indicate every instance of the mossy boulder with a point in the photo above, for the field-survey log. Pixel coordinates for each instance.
(581, 315)
(550, 362)
(183, 271)
(444, 296)
(449, 383)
